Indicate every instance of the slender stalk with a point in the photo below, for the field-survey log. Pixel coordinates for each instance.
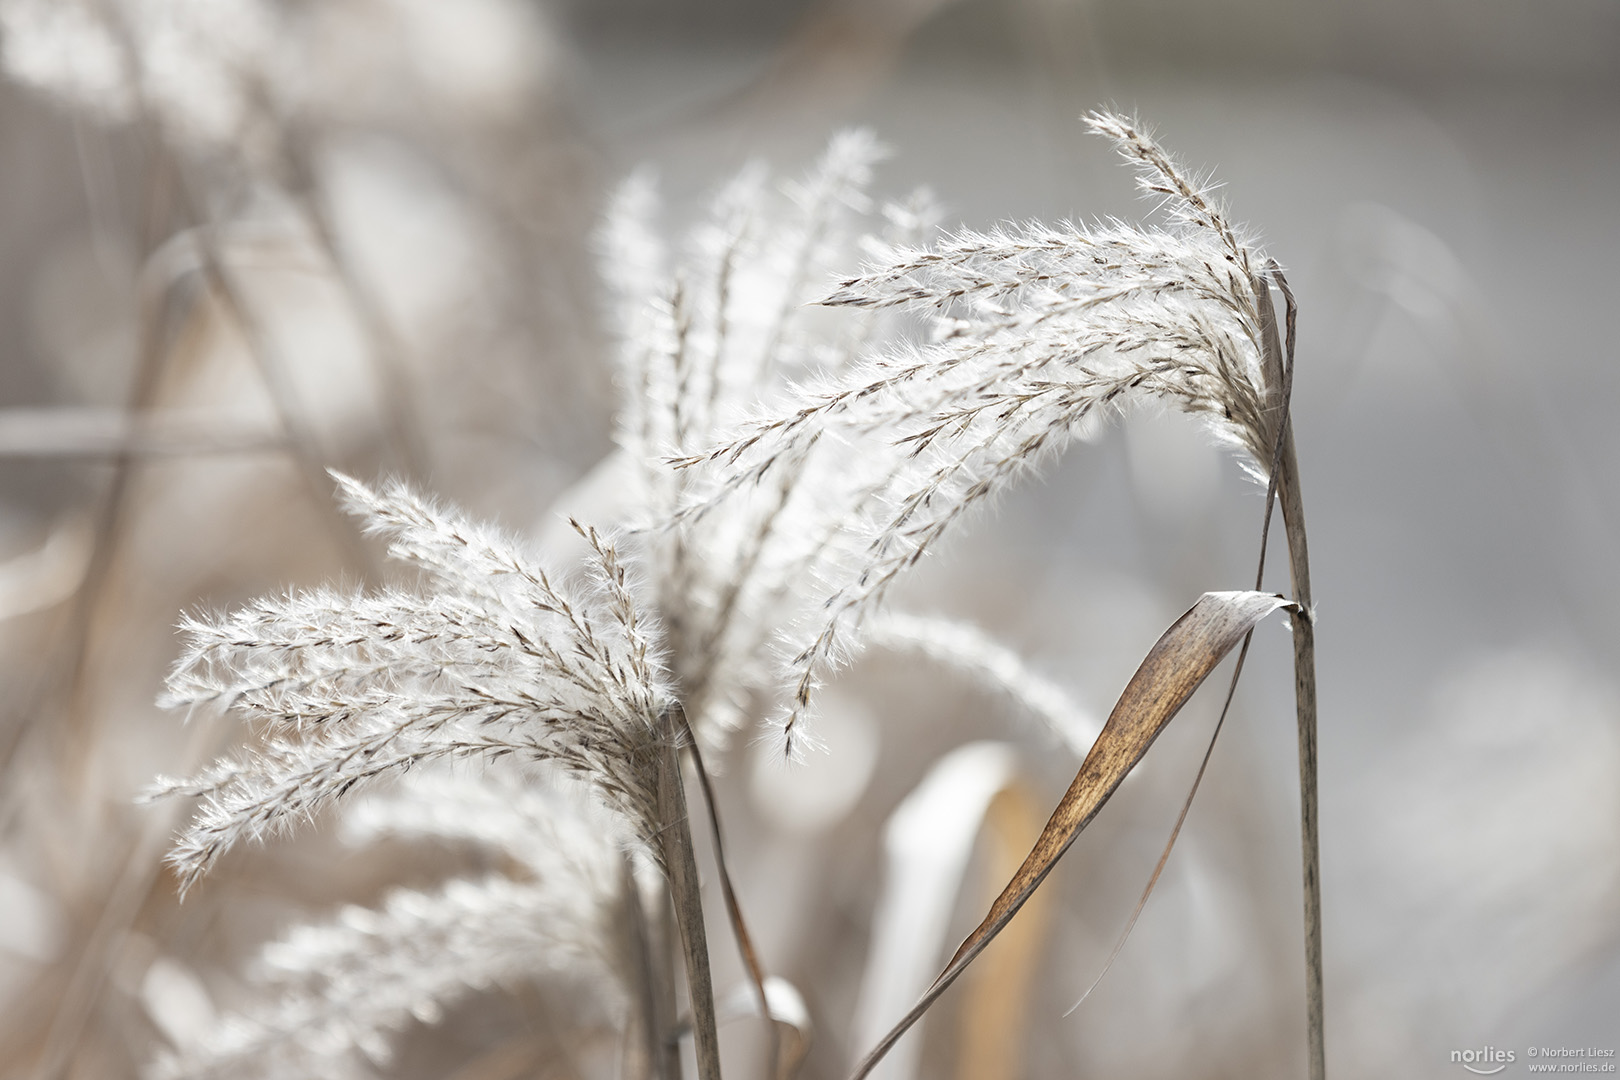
(649, 1025)
(302, 442)
(158, 308)
(668, 1028)
(1293, 511)
(681, 865)
(739, 928)
(1279, 362)
(402, 427)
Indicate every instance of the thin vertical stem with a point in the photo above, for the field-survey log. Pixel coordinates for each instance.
(681, 865)
(669, 1014)
(739, 928)
(402, 428)
(1279, 364)
(1293, 510)
(157, 308)
(302, 442)
(649, 1026)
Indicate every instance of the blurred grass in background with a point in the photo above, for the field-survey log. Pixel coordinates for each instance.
(1436, 177)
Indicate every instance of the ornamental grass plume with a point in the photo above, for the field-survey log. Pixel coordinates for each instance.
(704, 343)
(329, 996)
(707, 340)
(497, 662)
(555, 689)
(1038, 333)
(779, 470)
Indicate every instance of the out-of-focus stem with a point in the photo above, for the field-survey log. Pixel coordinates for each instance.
(654, 992)
(402, 425)
(301, 440)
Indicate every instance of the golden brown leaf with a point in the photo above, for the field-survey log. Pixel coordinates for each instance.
(1174, 668)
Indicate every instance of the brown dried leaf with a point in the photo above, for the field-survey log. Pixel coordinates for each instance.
(1178, 662)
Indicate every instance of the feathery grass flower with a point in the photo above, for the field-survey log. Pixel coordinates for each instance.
(1039, 332)
(498, 661)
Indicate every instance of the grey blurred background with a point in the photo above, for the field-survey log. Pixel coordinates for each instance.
(1439, 181)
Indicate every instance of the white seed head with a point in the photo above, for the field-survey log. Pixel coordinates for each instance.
(495, 661)
(1038, 332)
(331, 995)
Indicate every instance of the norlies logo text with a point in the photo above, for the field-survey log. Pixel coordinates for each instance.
(1487, 1061)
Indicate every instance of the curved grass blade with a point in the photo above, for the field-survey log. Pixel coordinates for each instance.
(1178, 662)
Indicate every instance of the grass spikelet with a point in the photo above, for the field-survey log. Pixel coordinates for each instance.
(349, 688)
(1039, 331)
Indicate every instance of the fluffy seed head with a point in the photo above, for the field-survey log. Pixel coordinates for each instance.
(494, 660)
(1038, 332)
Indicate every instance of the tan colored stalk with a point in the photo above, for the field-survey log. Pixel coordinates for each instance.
(651, 1003)
(1279, 372)
(991, 1033)
(667, 1013)
(1299, 568)
(681, 865)
(739, 928)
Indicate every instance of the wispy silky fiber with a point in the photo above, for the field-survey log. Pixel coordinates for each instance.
(331, 995)
(707, 332)
(1039, 331)
(499, 661)
(789, 447)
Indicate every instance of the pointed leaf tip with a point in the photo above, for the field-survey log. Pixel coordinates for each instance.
(1174, 668)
